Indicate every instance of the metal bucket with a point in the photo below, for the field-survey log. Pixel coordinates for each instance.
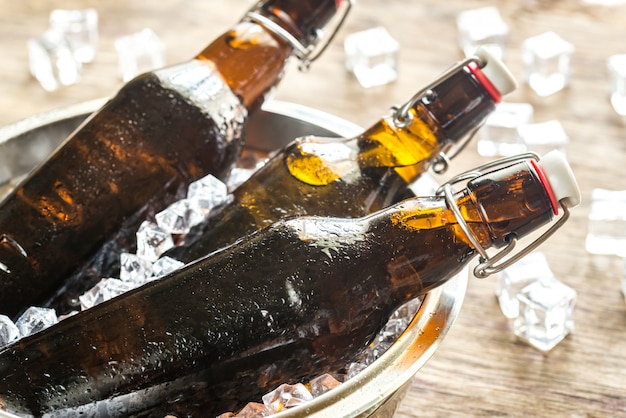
(376, 391)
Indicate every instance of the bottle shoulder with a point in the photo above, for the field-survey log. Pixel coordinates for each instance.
(201, 83)
(245, 46)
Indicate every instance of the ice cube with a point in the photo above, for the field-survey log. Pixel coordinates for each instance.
(180, 217)
(323, 384)
(8, 331)
(371, 55)
(52, 61)
(286, 396)
(482, 27)
(104, 290)
(207, 193)
(80, 28)
(545, 313)
(152, 241)
(164, 266)
(516, 277)
(355, 368)
(139, 52)
(134, 269)
(547, 63)
(35, 319)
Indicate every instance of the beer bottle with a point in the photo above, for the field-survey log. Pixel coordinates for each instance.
(162, 130)
(286, 303)
(351, 177)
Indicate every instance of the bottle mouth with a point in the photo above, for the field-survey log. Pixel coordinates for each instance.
(558, 179)
(475, 70)
(543, 178)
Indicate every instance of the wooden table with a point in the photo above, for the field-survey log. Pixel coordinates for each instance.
(481, 369)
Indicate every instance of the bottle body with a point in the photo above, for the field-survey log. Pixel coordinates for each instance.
(346, 177)
(131, 158)
(292, 301)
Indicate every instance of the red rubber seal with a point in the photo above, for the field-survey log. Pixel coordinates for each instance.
(546, 184)
(487, 84)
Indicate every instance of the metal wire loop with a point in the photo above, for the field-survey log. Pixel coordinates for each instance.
(404, 110)
(488, 265)
(403, 117)
(480, 170)
(441, 163)
(306, 55)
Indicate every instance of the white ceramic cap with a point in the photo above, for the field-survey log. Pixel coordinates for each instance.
(498, 73)
(561, 178)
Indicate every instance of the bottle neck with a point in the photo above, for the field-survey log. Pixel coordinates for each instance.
(251, 57)
(513, 200)
(447, 114)
(431, 244)
(460, 103)
(302, 19)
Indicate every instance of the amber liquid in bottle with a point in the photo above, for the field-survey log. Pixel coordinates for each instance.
(290, 302)
(347, 177)
(136, 155)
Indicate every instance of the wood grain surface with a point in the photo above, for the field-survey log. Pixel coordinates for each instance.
(481, 369)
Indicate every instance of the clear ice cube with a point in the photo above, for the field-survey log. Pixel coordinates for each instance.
(371, 55)
(164, 266)
(138, 53)
(207, 193)
(35, 319)
(286, 396)
(482, 27)
(80, 29)
(152, 241)
(393, 328)
(104, 290)
(134, 269)
(8, 331)
(323, 384)
(546, 60)
(179, 217)
(545, 313)
(355, 368)
(375, 351)
(408, 310)
(52, 61)
(516, 277)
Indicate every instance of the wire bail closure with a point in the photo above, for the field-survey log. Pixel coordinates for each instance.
(402, 116)
(306, 55)
(488, 264)
(7, 240)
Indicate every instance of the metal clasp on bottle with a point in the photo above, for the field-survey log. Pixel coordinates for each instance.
(489, 264)
(6, 240)
(306, 55)
(402, 116)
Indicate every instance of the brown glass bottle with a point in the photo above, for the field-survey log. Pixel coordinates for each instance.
(161, 131)
(351, 177)
(291, 301)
